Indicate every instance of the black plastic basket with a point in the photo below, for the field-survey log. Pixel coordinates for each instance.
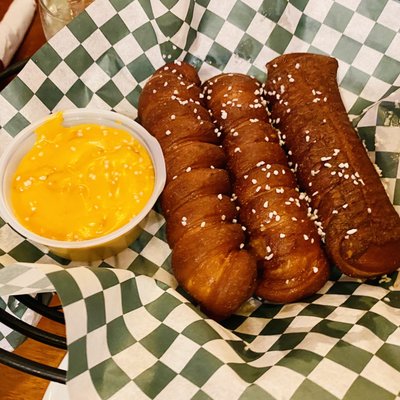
(23, 364)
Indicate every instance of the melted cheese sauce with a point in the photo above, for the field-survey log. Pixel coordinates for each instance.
(81, 182)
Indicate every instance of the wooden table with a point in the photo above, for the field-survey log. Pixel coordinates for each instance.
(15, 385)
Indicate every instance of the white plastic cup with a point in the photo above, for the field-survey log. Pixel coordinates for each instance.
(92, 249)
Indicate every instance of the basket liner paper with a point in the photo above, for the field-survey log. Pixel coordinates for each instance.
(133, 337)
(340, 343)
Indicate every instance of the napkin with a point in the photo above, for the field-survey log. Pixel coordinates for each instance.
(13, 27)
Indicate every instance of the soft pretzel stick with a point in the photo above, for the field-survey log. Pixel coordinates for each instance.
(208, 258)
(361, 227)
(281, 234)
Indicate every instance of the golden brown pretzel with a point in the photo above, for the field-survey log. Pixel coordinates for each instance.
(281, 235)
(208, 258)
(361, 227)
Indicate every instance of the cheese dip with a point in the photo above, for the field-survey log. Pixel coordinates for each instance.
(81, 182)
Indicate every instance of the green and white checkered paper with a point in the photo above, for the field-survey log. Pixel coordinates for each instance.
(134, 337)
(131, 336)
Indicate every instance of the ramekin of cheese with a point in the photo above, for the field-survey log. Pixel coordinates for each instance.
(80, 182)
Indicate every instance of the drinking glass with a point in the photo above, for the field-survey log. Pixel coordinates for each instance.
(55, 14)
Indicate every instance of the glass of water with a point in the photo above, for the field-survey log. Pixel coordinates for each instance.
(55, 14)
